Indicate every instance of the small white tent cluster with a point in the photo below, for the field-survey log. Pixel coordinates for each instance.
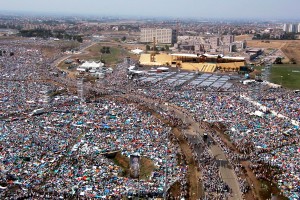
(93, 68)
(90, 66)
(137, 51)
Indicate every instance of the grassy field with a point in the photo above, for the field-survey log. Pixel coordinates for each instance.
(288, 75)
(116, 55)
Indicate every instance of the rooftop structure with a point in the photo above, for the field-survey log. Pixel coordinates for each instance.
(198, 62)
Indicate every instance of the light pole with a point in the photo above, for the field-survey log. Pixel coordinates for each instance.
(166, 166)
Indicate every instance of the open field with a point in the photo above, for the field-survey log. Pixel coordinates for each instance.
(274, 44)
(290, 48)
(288, 75)
(116, 55)
(243, 37)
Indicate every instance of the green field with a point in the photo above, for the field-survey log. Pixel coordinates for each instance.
(287, 75)
(115, 56)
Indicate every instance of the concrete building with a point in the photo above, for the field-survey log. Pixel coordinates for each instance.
(228, 39)
(240, 44)
(292, 28)
(254, 52)
(298, 28)
(214, 42)
(162, 36)
(285, 27)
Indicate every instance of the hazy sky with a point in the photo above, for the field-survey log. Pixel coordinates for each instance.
(239, 9)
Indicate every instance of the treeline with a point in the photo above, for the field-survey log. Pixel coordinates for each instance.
(165, 48)
(9, 26)
(105, 50)
(43, 33)
(267, 36)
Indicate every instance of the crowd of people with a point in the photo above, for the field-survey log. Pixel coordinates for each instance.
(263, 124)
(61, 152)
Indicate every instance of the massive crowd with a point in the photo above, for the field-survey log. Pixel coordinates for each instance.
(60, 152)
(262, 122)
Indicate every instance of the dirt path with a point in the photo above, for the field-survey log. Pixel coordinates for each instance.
(195, 190)
(194, 131)
(227, 173)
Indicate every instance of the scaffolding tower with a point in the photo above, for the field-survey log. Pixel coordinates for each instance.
(45, 97)
(80, 90)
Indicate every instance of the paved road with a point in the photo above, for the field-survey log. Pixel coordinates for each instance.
(227, 172)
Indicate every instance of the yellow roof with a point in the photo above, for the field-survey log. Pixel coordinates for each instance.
(202, 67)
(159, 59)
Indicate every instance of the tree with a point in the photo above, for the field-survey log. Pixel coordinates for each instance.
(79, 39)
(102, 50)
(107, 50)
(147, 47)
(293, 61)
(278, 60)
(234, 49)
(167, 48)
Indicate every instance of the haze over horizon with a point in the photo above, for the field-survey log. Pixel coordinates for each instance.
(229, 9)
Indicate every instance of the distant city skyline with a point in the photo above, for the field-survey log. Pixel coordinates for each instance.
(214, 9)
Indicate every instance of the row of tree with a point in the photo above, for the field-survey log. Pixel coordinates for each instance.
(165, 48)
(105, 50)
(43, 33)
(267, 36)
(278, 60)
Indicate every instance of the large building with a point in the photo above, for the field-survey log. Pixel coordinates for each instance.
(194, 62)
(291, 28)
(162, 36)
(285, 27)
(227, 39)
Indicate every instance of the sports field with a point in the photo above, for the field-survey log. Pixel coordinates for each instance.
(287, 75)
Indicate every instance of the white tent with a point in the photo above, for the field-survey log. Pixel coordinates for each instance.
(137, 51)
(92, 65)
(163, 68)
(132, 67)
